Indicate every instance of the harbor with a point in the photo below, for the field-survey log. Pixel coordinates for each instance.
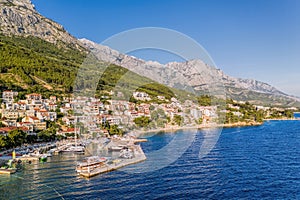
(112, 154)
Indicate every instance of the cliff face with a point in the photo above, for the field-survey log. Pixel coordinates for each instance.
(195, 74)
(19, 17)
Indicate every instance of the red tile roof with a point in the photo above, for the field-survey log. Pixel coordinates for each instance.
(34, 94)
(11, 128)
(34, 118)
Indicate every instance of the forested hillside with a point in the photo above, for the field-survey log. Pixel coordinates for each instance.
(30, 64)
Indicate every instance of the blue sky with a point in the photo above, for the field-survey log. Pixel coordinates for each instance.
(257, 39)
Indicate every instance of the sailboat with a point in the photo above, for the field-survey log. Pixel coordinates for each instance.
(76, 148)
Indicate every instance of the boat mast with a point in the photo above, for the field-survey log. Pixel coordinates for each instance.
(88, 165)
(75, 131)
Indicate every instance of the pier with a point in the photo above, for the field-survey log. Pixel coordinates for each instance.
(139, 156)
(7, 171)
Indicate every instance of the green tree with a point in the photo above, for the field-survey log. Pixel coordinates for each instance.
(199, 121)
(161, 113)
(115, 130)
(31, 139)
(51, 124)
(3, 141)
(16, 137)
(259, 116)
(19, 119)
(178, 119)
(204, 100)
(161, 123)
(152, 107)
(47, 134)
(288, 113)
(105, 125)
(154, 115)
(142, 121)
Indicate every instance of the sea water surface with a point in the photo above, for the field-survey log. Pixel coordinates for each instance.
(260, 162)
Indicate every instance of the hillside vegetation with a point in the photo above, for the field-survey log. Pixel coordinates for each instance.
(30, 64)
(26, 58)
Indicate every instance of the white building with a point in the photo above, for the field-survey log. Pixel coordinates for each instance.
(8, 96)
(142, 96)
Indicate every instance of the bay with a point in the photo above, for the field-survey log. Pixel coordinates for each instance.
(261, 162)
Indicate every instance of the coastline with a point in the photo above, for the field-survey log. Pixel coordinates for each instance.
(283, 119)
(139, 133)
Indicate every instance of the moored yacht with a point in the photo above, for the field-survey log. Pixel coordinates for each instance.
(90, 163)
(75, 149)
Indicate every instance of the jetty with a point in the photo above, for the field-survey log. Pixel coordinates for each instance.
(27, 158)
(139, 156)
(7, 171)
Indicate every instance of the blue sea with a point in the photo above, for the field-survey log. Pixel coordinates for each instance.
(261, 162)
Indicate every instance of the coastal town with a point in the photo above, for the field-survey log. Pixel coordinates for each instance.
(37, 116)
(69, 122)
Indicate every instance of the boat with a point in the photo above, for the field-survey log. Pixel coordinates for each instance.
(43, 158)
(28, 158)
(115, 148)
(48, 154)
(17, 154)
(52, 150)
(35, 154)
(90, 163)
(126, 153)
(7, 170)
(75, 149)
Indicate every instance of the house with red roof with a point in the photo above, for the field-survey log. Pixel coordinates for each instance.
(5, 130)
(33, 96)
(38, 124)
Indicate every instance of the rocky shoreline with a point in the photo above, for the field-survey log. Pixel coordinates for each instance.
(283, 119)
(241, 124)
(139, 133)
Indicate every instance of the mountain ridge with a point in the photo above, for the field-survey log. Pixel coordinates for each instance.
(235, 87)
(19, 18)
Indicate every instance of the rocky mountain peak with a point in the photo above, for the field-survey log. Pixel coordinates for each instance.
(21, 3)
(19, 17)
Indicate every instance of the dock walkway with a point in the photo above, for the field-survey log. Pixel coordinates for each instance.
(139, 156)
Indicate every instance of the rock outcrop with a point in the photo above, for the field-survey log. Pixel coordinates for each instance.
(19, 17)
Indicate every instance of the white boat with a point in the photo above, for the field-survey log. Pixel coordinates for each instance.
(48, 154)
(90, 163)
(52, 150)
(115, 148)
(126, 153)
(75, 149)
